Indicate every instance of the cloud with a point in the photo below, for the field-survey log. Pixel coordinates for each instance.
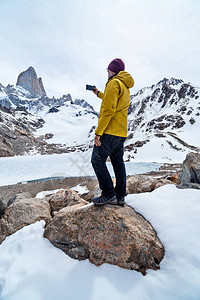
(70, 43)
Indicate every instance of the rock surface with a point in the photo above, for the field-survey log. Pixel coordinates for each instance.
(5, 147)
(2, 206)
(108, 234)
(18, 197)
(29, 81)
(63, 199)
(143, 183)
(17, 128)
(21, 213)
(190, 176)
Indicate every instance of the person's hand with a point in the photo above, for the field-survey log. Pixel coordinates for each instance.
(97, 140)
(95, 90)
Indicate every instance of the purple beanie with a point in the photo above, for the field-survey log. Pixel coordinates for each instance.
(116, 65)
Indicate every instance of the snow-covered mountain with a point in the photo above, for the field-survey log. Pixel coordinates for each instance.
(66, 122)
(16, 96)
(163, 120)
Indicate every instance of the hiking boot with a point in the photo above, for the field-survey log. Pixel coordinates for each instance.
(104, 200)
(121, 201)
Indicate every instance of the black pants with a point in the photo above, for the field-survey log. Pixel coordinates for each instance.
(112, 146)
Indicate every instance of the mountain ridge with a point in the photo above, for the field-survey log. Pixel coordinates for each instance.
(165, 115)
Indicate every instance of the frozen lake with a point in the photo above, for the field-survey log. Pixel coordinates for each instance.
(25, 168)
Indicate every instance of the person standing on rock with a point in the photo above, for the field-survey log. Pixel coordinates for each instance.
(111, 133)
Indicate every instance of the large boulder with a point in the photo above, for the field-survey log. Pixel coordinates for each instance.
(190, 175)
(142, 183)
(108, 234)
(21, 213)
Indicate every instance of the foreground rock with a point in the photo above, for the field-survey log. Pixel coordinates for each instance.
(143, 183)
(108, 234)
(22, 209)
(21, 213)
(190, 176)
(63, 199)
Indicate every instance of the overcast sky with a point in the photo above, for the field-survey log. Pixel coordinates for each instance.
(70, 43)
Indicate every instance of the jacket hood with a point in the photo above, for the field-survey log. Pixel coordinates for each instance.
(126, 78)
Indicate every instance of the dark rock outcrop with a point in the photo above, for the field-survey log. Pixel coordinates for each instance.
(16, 131)
(18, 197)
(53, 110)
(5, 147)
(2, 206)
(29, 81)
(190, 176)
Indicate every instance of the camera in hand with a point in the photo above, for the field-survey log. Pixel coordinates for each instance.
(90, 87)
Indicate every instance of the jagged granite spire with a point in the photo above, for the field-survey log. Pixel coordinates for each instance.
(29, 81)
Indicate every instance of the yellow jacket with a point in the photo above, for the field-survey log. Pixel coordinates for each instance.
(114, 108)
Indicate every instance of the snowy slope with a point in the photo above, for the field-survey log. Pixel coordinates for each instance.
(31, 267)
(70, 125)
(164, 121)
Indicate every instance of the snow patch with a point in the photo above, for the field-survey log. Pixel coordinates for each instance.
(26, 258)
(42, 194)
(80, 189)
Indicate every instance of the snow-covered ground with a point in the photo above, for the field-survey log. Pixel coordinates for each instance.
(70, 125)
(24, 168)
(32, 268)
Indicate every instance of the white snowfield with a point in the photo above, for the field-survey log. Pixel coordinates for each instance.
(70, 125)
(32, 268)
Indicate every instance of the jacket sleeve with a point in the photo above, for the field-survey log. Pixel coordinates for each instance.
(100, 95)
(109, 104)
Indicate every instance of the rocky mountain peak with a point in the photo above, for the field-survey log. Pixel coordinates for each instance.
(166, 114)
(171, 81)
(29, 81)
